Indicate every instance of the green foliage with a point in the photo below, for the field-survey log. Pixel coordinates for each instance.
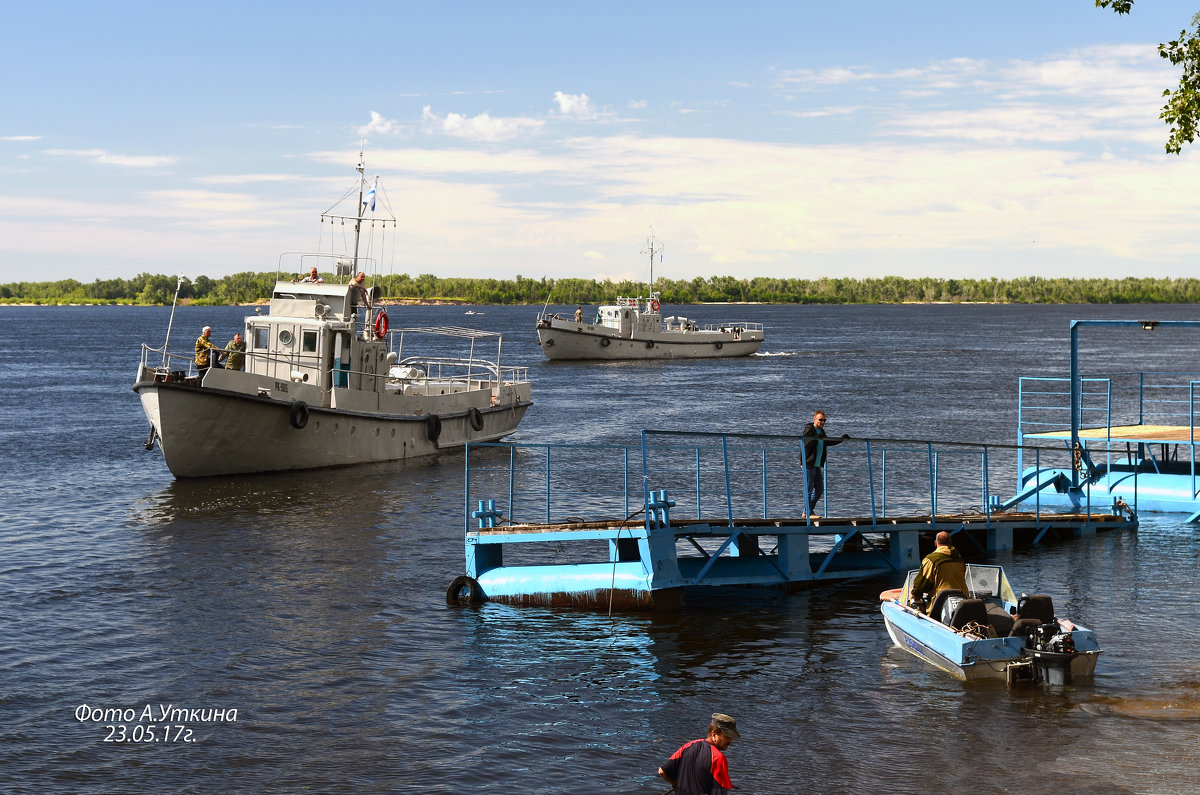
(244, 288)
(1183, 104)
(1182, 110)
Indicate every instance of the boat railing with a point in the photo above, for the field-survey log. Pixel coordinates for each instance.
(726, 477)
(738, 327)
(342, 267)
(1141, 398)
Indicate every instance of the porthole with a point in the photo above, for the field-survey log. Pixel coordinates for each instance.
(285, 337)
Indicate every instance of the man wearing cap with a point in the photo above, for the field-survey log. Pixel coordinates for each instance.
(699, 767)
(203, 346)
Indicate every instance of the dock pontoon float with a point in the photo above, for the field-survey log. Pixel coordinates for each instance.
(684, 514)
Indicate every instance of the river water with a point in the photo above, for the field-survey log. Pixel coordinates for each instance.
(313, 603)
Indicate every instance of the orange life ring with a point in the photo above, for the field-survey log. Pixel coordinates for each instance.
(654, 305)
(381, 325)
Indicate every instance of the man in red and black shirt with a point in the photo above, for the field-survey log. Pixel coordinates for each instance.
(699, 767)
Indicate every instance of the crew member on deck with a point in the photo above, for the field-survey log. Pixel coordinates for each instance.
(204, 359)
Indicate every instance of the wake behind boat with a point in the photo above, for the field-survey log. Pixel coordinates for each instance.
(323, 381)
(634, 328)
(988, 633)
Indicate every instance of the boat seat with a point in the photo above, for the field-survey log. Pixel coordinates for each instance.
(969, 611)
(939, 602)
(999, 620)
(1036, 606)
(1023, 628)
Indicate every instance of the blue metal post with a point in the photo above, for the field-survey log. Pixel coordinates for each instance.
(871, 482)
(764, 481)
(932, 486)
(1074, 398)
(547, 484)
(883, 484)
(728, 487)
(626, 449)
(697, 482)
(512, 468)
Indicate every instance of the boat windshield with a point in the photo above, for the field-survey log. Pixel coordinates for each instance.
(989, 581)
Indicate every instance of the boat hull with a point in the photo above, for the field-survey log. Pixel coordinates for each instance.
(204, 431)
(597, 342)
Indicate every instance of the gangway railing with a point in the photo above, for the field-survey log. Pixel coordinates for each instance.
(727, 477)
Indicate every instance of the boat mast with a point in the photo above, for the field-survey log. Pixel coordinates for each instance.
(361, 168)
(652, 247)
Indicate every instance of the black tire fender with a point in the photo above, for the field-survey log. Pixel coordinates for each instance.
(605, 342)
(475, 418)
(719, 345)
(433, 427)
(464, 588)
(650, 343)
(298, 414)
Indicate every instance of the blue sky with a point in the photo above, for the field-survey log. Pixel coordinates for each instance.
(788, 139)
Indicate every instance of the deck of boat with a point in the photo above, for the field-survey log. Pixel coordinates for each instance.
(1177, 434)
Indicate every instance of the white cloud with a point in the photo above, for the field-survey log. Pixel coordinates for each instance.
(379, 125)
(20, 138)
(577, 106)
(480, 128)
(107, 158)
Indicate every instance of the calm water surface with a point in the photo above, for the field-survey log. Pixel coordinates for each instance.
(313, 603)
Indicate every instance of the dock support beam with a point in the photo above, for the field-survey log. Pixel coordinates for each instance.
(905, 551)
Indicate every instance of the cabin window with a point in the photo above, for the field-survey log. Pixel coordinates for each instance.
(308, 341)
(285, 337)
(261, 338)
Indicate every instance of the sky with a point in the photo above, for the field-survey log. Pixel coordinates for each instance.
(547, 139)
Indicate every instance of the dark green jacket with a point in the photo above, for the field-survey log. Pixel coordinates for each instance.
(942, 569)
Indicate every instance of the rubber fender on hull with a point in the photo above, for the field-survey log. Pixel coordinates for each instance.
(433, 427)
(475, 418)
(298, 414)
(464, 588)
(605, 342)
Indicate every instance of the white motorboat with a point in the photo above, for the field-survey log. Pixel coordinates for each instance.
(327, 383)
(634, 328)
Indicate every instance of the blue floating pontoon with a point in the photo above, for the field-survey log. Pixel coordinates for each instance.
(1116, 438)
(687, 514)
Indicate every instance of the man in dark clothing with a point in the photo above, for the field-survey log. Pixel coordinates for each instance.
(699, 767)
(816, 444)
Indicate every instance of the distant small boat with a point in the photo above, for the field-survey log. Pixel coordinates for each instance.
(472, 312)
(988, 633)
(634, 328)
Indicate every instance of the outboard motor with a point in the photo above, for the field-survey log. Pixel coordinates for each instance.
(1052, 649)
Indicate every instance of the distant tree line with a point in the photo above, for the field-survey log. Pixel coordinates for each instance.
(243, 288)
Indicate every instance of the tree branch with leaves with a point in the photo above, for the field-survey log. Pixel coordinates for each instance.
(1182, 110)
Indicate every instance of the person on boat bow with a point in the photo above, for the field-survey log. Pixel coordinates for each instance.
(579, 314)
(699, 766)
(205, 359)
(942, 569)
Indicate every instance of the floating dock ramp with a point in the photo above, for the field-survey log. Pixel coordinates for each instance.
(684, 515)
